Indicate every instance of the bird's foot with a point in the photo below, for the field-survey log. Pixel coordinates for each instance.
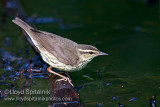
(65, 79)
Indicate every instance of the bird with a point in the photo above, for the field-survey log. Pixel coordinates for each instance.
(59, 52)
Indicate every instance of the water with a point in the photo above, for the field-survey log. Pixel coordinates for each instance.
(128, 30)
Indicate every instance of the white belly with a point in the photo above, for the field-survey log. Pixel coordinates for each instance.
(54, 62)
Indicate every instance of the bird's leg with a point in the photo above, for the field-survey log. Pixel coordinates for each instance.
(66, 79)
(50, 70)
(63, 77)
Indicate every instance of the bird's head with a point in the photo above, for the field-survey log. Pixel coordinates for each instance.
(88, 52)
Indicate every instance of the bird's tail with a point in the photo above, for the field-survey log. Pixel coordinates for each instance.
(22, 24)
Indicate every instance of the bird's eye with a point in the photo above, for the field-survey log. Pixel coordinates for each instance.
(91, 52)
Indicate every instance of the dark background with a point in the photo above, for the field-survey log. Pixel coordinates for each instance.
(128, 30)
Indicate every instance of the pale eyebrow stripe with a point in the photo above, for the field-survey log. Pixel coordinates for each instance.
(86, 50)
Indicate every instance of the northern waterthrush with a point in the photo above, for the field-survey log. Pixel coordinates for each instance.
(60, 52)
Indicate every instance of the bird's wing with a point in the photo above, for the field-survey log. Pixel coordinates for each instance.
(63, 49)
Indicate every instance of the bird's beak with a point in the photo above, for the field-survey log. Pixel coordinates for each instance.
(102, 53)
